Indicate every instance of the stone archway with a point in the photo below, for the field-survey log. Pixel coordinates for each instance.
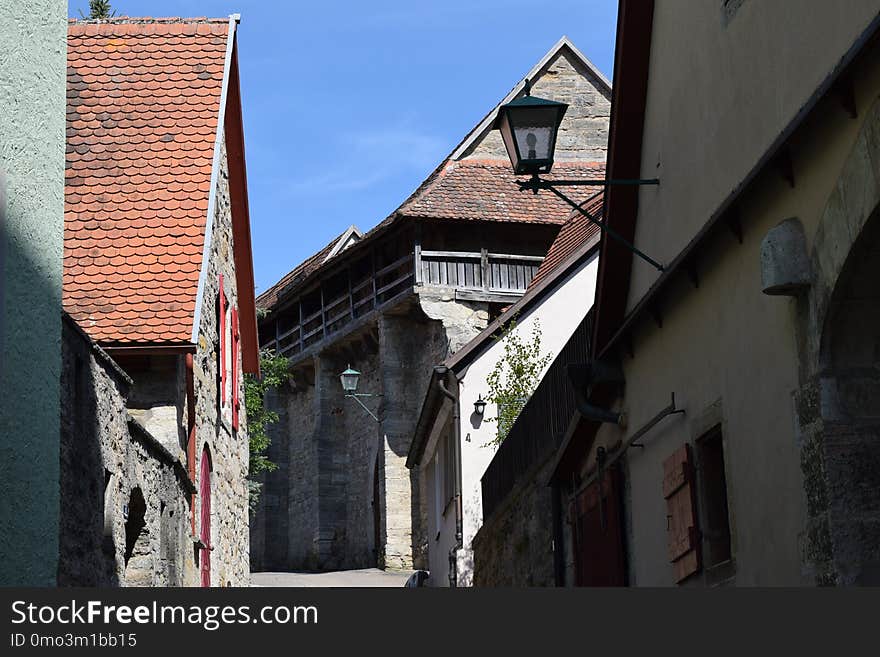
(138, 559)
(839, 399)
(849, 387)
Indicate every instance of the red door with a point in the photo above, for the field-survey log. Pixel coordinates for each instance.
(598, 534)
(205, 495)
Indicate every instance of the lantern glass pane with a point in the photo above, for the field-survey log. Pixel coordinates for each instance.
(534, 130)
(349, 379)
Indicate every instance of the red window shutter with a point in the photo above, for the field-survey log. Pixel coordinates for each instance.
(222, 330)
(683, 536)
(235, 381)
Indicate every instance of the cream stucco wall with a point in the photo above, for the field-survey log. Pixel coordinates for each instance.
(558, 315)
(727, 351)
(718, 98)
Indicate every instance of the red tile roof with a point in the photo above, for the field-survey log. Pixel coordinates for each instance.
(143, 99)
(486, 190)
(270, 297)
(578, 230)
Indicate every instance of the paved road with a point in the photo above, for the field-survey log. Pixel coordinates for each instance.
(368, 577)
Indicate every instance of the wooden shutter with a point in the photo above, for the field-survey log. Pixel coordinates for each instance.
(683, 536)
(597, 524)
(234, 367)
(222, 330)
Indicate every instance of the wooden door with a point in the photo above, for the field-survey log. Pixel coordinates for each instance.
(205, 536)
(598, 533)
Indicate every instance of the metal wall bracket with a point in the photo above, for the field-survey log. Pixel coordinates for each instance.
(535, 183)
(669, 410)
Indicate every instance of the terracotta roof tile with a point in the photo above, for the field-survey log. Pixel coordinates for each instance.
(486, 190)
(575, 232)
(143, 98)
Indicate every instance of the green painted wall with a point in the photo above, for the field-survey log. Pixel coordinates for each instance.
(33, 38)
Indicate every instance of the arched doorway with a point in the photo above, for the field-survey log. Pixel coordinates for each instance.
(138, 560)
(849, 385)
(205, 516)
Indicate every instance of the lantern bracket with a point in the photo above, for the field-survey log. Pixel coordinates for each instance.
(535, 183)
(357, 395)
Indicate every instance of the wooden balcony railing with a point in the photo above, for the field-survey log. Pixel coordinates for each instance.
(319, 314)
(491, 272)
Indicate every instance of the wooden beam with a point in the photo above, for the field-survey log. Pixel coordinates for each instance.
(785, 166)
(847, 96)
(732, 219)
(417, 255)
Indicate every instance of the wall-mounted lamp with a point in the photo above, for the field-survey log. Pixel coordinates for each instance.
(529, 126)
(480, 406)
(349, 380)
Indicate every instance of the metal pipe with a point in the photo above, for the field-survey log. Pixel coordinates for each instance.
(630, 442)
(459, 534)
(558, 535)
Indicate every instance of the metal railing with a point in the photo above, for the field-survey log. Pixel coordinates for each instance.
(541, 425)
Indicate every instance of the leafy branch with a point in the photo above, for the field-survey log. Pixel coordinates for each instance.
(274, 373)
(515, 376)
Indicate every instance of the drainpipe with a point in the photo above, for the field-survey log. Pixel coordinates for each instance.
(558, 535)
(442, 371)
(191, 435)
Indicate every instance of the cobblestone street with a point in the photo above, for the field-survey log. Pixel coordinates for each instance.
(366, 578)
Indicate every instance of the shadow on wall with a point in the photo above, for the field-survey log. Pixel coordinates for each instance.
(86, 552)
(850, 403)
(30, 324)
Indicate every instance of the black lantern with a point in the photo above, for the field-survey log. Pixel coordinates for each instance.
(480, 406)
(528, 127)
(349, 379)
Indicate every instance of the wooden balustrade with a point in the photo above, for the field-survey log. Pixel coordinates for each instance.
(471, 271)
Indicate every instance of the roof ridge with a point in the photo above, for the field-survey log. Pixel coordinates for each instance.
(147, 20)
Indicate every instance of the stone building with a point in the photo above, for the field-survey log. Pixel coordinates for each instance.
(454, 439)
(158, 275)
(764, 467)
(392, 303)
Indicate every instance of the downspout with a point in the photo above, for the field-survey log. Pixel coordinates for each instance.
(453, 552)
(558, 535)
(191, 435)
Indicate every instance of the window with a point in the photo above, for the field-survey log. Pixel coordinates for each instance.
(682, 533)
(694, 484)
(228, 355)
(713, 499)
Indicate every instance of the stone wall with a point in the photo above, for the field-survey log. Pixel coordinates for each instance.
(228, 448)
(514, 547)
(32, 115)
(583, 134)
(125, 511)
(342, 496)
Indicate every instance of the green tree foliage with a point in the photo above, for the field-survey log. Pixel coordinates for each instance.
(515, 376)
(274, 373)
(99, 9)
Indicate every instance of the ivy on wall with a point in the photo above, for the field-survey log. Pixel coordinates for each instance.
(274, 372)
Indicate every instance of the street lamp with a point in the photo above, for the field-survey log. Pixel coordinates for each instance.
(529, 126)
(480, 406)
(349, 380)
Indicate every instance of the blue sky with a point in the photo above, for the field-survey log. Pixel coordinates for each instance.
(348, 106)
